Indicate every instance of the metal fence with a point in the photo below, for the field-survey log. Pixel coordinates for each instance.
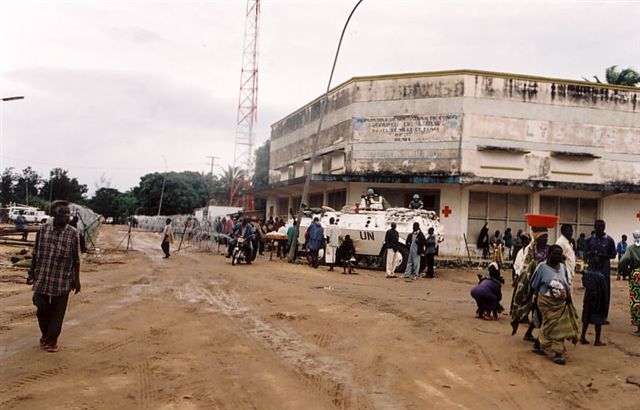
(188, 230)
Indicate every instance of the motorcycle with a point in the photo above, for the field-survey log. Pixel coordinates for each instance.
(241, 251)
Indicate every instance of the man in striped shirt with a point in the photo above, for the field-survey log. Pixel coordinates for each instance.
(54, 272)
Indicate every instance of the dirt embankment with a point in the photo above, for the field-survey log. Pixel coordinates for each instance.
(194, 332)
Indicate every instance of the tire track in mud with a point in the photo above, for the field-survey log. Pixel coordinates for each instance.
(187, 389)
(574, 401)
(146, 389)
(25, 381)
(17, 316)
(480, 356)
(323, 339)
(327, 376)
(110, 347)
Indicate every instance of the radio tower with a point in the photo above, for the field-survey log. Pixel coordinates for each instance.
(247, 106)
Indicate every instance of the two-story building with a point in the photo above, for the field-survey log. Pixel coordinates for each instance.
(476, 146)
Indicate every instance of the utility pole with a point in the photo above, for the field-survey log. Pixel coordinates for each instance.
(304, 201)
(164, 179)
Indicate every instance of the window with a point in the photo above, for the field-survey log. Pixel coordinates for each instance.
(295, 205)
(501, 211)
(283, 208)
(315, 200)
(581, 213)
(337, 199)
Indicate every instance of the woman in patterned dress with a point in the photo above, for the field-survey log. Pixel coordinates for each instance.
(630, 263)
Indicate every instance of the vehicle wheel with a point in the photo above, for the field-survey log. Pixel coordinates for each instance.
(235, 257)
(405, 257)
(44, 221)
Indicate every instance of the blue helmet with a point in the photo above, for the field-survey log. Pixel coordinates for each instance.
(370, 191)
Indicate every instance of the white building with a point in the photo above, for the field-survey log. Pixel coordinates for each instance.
(477, 146)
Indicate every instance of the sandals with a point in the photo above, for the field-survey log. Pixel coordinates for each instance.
(559, 360)
(53, 349)
(538, 350)
(43, 343)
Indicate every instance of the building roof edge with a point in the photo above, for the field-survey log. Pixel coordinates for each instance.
(462, 71)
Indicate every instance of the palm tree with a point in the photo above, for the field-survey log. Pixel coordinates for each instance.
(232, 180)
(628, 76)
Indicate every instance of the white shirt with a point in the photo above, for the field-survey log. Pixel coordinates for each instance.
(333, 234)
(518, 263)
(570, 256)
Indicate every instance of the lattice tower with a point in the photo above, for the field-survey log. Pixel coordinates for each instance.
(248, 99)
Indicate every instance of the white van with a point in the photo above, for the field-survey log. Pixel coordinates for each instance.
(31, 214)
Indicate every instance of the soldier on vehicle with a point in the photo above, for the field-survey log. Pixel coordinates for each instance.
(416, 203)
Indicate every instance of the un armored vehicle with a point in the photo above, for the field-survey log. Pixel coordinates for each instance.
(367, 225)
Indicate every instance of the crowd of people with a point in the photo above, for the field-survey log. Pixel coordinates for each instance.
(544, 277)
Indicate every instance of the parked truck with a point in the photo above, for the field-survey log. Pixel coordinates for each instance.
(31, 214)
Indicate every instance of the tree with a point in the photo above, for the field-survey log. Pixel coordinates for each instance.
(627, 76)
(232, 180)
(183, 191)
(26, 187)
(60, 186)
(6, 186)
(126, 204)
(261, 171)
(109, 202)
(104, 202)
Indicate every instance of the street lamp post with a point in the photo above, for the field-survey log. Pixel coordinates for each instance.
(51, 189)
(314, 146)
(17, 97)
(164, 179)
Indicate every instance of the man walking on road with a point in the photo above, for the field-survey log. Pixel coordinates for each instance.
(54, 272)
(167, 237)
(391, 242)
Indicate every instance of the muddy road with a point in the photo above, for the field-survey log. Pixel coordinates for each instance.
(194, 332)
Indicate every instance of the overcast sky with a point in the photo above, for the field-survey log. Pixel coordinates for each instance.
(112, 87)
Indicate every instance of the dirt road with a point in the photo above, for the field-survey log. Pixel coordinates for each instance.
(194, 332)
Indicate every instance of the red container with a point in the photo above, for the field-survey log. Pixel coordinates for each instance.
(542, 221)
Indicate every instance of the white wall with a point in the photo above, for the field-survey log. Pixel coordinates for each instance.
(619, 212)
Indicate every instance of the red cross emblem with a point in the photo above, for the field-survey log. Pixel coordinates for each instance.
(447, 211)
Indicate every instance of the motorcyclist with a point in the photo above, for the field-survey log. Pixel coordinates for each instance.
(244, 230)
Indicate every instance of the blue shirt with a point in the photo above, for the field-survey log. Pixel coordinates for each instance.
(545, 274)
(237, 230)
(621, 249)
(316, 236)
